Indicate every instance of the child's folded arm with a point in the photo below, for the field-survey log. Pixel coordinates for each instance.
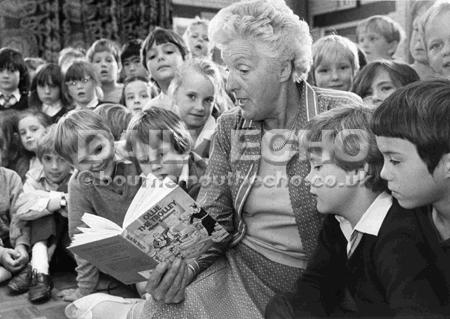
(37, 204)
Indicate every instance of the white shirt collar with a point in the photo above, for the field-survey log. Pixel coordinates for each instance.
(15, 93)
(207, 131)
(93, 103)
(372, 219)
(51, 109)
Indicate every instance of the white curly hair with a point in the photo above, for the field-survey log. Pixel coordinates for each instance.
(270, 22)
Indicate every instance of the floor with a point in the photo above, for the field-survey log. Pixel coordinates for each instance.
(18, 306)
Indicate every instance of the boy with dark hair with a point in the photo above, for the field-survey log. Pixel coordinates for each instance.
(368, 261)
(130, 57)
(413, 134)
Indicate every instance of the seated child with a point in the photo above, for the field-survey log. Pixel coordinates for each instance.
(44, 205)
(379, 36)
(369, 260)
(117, 117)
(436, 36)
(130, 57)
(162, 146)
(335, 62)
(379, 79)
(14, 241)
(413, 134)
(96, 187)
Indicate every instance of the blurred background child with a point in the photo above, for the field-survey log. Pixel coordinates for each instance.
(14, 156)
(416, 44)
(82, 86)
(379, 79)
(32, 64)
(69, 55)
(137, 93)
(46, 92)
(104, 56)
(15, 80)
(379, 36)
(163, 51)
(335, 62)
(436, 35)
(130, 57)
(196, 39)
(32, 126)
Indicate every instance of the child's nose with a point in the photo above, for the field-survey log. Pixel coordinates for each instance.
(385, 174)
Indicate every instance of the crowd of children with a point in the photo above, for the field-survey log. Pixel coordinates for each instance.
(68, 129)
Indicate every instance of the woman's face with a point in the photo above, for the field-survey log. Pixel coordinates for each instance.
(105, 66)
(163, 60)
(194, 98)
(253, 79)
(382, 86)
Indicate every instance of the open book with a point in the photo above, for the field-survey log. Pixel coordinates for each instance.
(162, 223)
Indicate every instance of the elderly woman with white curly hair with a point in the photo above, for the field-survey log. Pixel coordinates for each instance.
(255, 174)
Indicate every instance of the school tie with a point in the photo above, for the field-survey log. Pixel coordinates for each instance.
(353, 242)
(7, 101)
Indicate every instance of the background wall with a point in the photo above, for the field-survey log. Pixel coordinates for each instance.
(43, 28)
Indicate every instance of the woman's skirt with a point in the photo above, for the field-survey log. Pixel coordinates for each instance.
(238, 285)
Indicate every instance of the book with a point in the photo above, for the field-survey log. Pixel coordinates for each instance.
(162, 223)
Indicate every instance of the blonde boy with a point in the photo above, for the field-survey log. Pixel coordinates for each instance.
(379, 36)
(436, 36)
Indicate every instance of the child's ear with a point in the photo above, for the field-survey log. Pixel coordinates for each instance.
(285, 71)
(392, 47)
(446, 162)
(361, 175)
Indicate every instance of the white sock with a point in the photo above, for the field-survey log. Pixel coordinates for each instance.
(39, 257)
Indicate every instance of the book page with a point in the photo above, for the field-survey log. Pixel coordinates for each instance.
(98, 228)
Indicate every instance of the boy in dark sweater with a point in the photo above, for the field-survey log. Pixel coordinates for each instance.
(413, 133)
(369, 260)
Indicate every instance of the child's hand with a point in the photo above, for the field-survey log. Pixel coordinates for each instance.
(70, 294)
(23, 257)
(9, 259)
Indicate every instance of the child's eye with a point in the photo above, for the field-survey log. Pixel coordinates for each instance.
(170, 51)
(386, 88)
(344, 67)
(47, 158)
(191, 97)
(322, 70)
(145, 96)
(435, 46)
(394, 162)
(151, 57)
(209, 100)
